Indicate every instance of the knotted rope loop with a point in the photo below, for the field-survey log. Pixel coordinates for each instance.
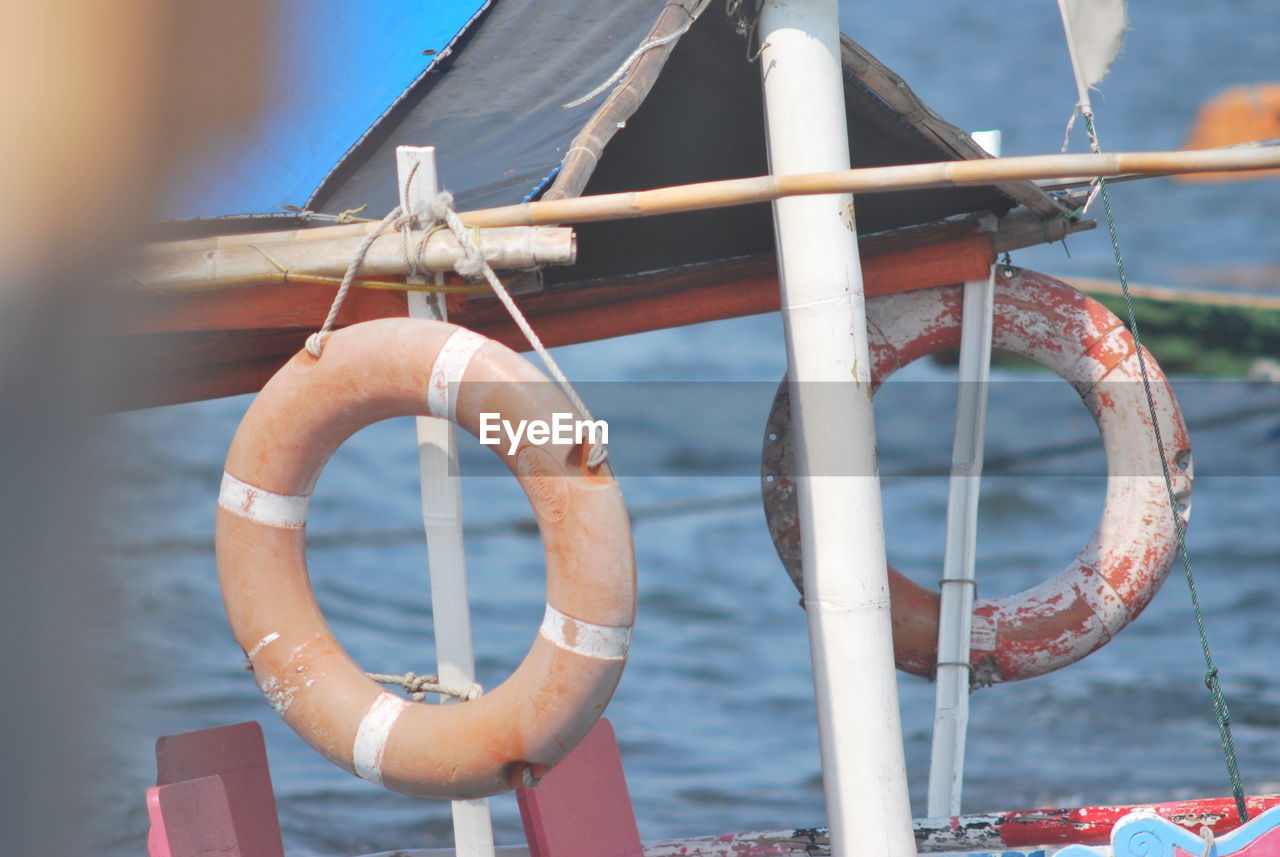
(418, 686)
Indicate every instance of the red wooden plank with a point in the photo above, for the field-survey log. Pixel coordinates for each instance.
(199, 345)
(265, 305)
(700, 293)
(238, 755)
(582, 807)
(191, 819)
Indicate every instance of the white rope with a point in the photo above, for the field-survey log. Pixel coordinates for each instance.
(636, 54)
(315, 342)
(473, 264)
(397, 216)
(418, 686)
(406, 223)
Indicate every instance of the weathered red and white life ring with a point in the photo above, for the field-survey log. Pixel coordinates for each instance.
(520, 729)
(1128, 556)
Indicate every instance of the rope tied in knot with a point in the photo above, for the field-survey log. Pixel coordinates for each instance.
(440, 206)
(471, 264)
(315, 342)
(418, 686)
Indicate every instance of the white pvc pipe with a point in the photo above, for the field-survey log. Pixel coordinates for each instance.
(442, 520)
(838, 487)
(959, 587)
(955, 617)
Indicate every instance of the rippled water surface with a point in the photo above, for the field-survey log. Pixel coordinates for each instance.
(715, 714)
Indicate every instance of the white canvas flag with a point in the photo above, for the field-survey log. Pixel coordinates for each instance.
(1095, 31)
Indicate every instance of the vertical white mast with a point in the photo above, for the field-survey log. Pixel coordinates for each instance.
(442, 517)
(838, 487)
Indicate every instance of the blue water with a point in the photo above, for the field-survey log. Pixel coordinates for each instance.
(714, 713)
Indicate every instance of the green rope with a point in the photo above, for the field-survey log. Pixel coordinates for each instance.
(1211, 672)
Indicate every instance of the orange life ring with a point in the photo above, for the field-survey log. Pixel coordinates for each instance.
(520, 729)
(1126, 559)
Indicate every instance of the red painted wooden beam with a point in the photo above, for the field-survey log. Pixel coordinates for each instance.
(198, 345)
(709, 293)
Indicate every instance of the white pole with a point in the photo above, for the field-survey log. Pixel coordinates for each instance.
(838, 487)
(442, 519)
(955, 619)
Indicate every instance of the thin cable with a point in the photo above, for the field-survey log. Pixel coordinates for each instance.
(1211, 672)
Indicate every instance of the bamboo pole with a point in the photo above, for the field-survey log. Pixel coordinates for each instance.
(165, 268)
(976, 173)
(730, 192)
(1168, 294)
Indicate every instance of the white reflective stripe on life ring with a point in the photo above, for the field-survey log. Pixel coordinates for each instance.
(372, 735)
(265, 507)
(451, 364)
(583, 638)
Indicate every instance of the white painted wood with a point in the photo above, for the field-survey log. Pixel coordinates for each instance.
(838, 487)
(442, 520)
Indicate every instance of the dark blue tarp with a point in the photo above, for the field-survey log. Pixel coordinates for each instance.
(491, 105)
